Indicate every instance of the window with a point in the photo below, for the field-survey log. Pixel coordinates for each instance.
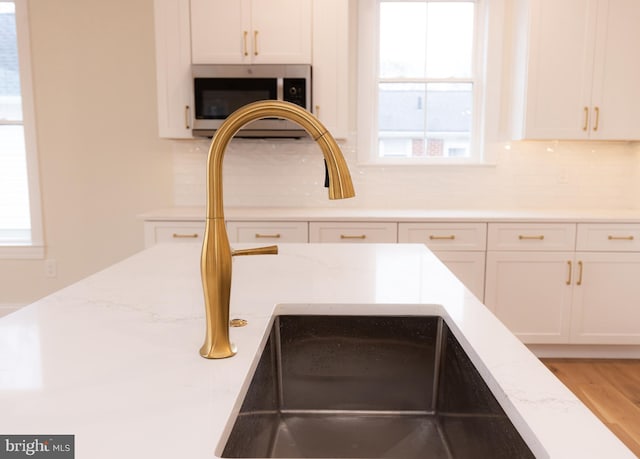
(420, 90)
(20, 227)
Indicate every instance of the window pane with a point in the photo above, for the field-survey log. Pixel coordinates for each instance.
(15, 222)
(426, 39)
(430, 119)
(402, 39)
(449, 40)
(10, 101)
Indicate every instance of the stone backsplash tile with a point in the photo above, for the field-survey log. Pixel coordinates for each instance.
(533, 175)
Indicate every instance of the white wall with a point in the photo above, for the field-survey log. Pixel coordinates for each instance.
(101, 161)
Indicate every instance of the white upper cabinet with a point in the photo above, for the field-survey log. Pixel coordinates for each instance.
(331, 65)
(173, 68)
(251, 31)
(576, 69)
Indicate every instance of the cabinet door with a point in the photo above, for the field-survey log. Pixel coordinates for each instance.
(251, 31)
(468, 267)
(616, 92)
(606, 306)
(445, 236)
(331, 65)
(173, 68)
(558, 68)
(156, 232)
(280, 31)
(353, 232)
(530, 292)
(220, 31)
(268, 232)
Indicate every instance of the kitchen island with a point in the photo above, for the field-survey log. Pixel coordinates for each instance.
(114, 359)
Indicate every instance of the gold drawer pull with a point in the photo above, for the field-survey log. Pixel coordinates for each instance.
(538, 238)
(580, 267)
(185, 236)
(268, 236)
(570, 270)
(244, 43)
(255, 42)
(362, 236)
(620, 238)
(439, 238)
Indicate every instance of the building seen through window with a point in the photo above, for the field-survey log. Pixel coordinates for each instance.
(426, 78)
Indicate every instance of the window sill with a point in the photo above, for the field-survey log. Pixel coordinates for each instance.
(425, 162)
(19, 252)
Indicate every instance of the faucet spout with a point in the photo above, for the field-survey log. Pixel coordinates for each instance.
(215, 261)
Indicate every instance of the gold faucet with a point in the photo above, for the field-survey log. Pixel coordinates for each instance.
(215, 262)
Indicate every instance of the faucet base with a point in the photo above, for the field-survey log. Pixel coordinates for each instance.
(208, 351)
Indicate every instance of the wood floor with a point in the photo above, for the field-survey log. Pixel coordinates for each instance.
(610, 388)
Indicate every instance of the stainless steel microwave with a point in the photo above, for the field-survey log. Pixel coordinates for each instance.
(219, 90)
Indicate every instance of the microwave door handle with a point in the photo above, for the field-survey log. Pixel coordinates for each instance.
(280, 89)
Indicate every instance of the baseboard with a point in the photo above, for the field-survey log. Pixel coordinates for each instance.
(575, 351)
(8, 308)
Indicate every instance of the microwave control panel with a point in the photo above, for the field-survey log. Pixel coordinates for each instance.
(295, 91)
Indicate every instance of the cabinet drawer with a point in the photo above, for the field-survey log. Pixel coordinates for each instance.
(531, 236)
(267, 232)
(156, 232)
(353, 232)
(445, 236)
(605, 237)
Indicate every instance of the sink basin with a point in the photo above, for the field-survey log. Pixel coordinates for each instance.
(369, 386)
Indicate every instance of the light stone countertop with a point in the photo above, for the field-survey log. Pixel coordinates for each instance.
(397, 215)
(113, 359)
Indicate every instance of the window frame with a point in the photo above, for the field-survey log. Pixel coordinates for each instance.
(487, 64)
(35, 247)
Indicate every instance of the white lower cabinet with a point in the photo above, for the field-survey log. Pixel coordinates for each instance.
(530, 292)
(267, 232)
(588, 295)
(606, 305)
(172, 231)
(353, 232)
(528, 281)
(549, 283)
(460, 246)
(468, 267)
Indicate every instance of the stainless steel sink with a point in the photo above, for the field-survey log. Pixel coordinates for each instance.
(369, 387)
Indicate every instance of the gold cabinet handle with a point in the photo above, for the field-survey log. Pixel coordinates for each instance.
(440, 238)
(268, 236)
(255, 42)
(620, 238)
(245, 51)
(570, 272)
(595, 126)
(269, 250)
(586, 119)
(185, 236)
(186, 117)
(344, 236)
(523, 237)
(580, 269)
(317, 111)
